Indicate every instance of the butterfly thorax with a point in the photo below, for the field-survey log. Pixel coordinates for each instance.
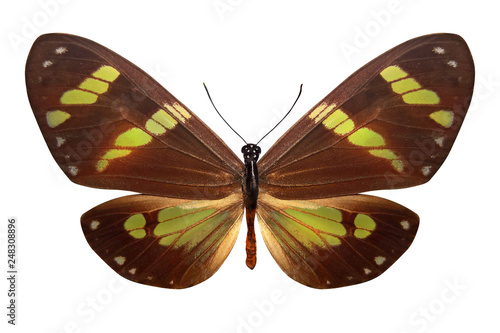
(250, 184)
(250, 187)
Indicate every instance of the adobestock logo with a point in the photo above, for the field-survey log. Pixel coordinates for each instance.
(363, 36)
(429, 313)
(88, 310)
(485, 88)
(31, 25)
(263, 309)
(223, 7)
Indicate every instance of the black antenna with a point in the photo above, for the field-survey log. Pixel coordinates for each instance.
(221, 115)
(300, 92)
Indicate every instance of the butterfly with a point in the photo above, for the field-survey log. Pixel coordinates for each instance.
(389, 125)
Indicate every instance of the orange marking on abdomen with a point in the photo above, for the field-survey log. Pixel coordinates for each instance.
(251, 241)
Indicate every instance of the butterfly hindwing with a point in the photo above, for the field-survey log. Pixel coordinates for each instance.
(110, 125)
(164, 242)
(335, 242)
(390, 125)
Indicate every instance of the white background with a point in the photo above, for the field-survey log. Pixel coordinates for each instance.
(253, 55)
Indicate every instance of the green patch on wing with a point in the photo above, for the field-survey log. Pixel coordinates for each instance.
(311, 226)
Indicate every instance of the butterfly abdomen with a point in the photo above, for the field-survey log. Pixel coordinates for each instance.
(250, 187)
(251, 245)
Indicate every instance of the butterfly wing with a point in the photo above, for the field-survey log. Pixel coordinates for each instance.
(335, 242)
(110, 125)
(164, 242)
(389, 125)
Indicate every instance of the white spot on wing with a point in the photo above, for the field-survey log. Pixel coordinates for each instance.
(60, 141)
(61, 50)
(94, 224)
(73, 170)
(132, 271)
(379, 260)
(405, 224)
(452, 63)
(327, 281)
(367, 271)
(426, 170)
(438, 50)
(439, 141)
(120, 260)
(149, 278)
(47, 63)
(171, 282)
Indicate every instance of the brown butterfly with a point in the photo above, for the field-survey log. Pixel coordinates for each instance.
(391, 124)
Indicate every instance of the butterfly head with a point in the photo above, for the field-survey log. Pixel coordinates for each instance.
(251, 152)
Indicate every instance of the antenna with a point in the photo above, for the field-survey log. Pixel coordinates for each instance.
(300, 92)
(210, 98)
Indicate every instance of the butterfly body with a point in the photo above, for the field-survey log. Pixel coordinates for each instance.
(109, 125)
(250, 188)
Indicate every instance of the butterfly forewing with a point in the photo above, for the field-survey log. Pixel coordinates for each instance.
(109, 125)
(335, 242)
(390, 125)
(164, 242)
